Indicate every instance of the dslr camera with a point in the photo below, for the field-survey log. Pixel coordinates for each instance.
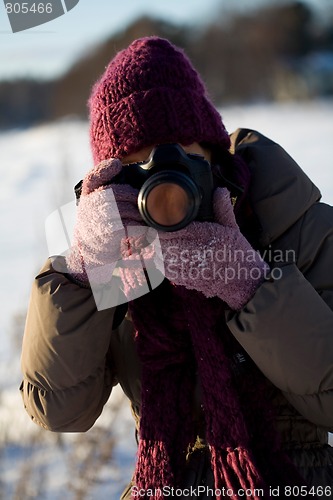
(175, 188)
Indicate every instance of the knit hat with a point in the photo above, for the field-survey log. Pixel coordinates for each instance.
(151, 94)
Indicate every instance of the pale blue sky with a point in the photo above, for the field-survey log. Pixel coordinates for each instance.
(50, 48)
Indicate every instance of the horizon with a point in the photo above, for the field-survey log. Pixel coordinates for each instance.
(49, 50)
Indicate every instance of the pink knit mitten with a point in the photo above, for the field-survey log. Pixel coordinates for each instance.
(109, 234)
(214, 257)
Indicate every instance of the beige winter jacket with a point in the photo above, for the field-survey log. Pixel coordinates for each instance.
(73, 354)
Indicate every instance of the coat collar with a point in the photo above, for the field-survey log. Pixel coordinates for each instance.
(280, 191)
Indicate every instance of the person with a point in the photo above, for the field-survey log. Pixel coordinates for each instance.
(227, 359)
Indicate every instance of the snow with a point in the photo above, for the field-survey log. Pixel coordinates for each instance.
(39, 167)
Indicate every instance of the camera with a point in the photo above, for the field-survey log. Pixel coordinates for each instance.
(175, 188)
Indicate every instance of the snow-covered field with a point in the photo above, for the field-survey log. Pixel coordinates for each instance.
(39, 167)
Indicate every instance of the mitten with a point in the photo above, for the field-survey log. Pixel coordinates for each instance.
(109, 234)
(214, 257)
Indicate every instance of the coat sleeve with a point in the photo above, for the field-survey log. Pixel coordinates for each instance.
(287, 327)
(66, 372)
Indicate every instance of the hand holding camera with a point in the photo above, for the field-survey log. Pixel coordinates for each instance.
(101, 236)
(122, 206)
(165, 193)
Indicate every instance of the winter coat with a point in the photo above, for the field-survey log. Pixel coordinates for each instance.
(73, 354)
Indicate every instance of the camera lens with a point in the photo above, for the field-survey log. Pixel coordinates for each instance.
(167, 204)
(169, 200)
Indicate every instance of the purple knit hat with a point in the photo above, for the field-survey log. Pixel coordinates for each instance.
(151, 94)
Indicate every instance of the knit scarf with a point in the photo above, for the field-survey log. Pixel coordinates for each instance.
(182, 337)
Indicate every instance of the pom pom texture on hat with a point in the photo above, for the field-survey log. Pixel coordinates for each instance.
(151, 94)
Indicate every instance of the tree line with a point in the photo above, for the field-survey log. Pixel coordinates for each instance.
(277, 52)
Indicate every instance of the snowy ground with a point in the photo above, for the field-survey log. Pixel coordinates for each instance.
(39, 168)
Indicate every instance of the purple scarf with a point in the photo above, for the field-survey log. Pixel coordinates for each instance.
(182, 336)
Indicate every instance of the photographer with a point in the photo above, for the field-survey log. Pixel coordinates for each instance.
(227, 361)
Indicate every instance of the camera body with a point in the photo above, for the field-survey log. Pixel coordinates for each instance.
(175, 188)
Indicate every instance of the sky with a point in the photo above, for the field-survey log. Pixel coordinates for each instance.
(48, 50)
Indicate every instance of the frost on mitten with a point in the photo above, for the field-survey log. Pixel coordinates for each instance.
(214, 257)
(110, 239)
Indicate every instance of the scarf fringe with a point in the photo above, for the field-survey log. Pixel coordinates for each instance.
(235, 470)
(153, 470)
